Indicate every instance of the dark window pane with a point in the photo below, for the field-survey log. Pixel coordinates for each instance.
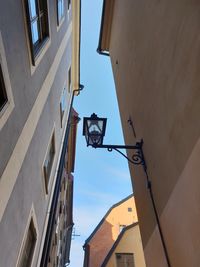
(42, 5)
(69, 3)
(29, 247)
(44, 27)
(69, 79)
(49, 162)
(3, 96)
(125, 260)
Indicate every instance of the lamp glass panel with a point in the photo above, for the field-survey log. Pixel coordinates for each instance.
(95, 132)
(95, 125)
(95, 138)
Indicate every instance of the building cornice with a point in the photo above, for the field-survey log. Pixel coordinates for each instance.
(105, 29)
(76, 39)
(103, 219)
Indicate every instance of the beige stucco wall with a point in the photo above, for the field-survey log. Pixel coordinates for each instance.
(180, 219)
(130, 243)
(154, 52)
(102, 241)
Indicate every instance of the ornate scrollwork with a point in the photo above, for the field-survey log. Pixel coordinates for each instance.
(138, 158)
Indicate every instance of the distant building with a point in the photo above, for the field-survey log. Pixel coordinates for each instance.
(154, 51)
(39, 77)
(117, 235)
(127, 249)
(62, 224)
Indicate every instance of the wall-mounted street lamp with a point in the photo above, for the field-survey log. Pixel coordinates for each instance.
(94, 131)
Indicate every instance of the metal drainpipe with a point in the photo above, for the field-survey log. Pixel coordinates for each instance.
(149, 187)
(50, 226)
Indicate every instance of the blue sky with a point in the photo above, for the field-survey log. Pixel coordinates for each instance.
(101, 177)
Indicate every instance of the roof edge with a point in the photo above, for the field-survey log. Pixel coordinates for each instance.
(104, 36)
(103, 219)
(117, 242)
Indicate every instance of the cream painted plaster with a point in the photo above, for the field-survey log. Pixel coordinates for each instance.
(157, 60)
(130, 243)
(154, 254)
(75, 44)
(181, 216)
(180, 220)
(8, 108)
(13, 167)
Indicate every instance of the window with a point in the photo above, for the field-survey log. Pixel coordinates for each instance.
(130, 209)
(49, 162)
(6, 95)
(3, 95)
(60, 10)
(125, 260)
(68, 4)
(37, 19)
(69, 79)
(63, 104)
(29, 246)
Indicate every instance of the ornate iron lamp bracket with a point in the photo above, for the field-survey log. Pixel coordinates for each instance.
(137, 157)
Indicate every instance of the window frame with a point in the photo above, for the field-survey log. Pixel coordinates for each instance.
(43, 29)
(8, 106)
(3, 90)
(63, 110)
(69, 3)
(28, 257)
(48, 172)
(34, 228)
(118, 254)
(69, 79)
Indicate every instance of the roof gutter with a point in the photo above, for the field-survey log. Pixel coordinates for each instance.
(99, 50)
(77, 91)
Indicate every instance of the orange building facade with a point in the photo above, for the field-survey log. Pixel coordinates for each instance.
(98, 246)
(154, 51)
